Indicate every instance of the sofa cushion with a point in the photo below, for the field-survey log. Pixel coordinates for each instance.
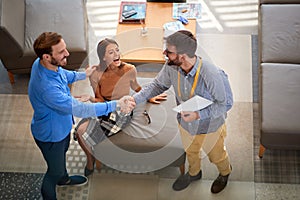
(280, 98)
(67, 20)
(280, 33)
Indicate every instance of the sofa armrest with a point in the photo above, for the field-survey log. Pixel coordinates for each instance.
(12, 17)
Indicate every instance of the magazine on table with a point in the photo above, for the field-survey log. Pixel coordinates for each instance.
(132, 12)
(187, 10)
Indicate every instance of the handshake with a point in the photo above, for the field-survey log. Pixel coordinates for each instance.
(126, 104)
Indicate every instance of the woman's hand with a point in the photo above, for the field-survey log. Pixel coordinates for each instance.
(157, 99)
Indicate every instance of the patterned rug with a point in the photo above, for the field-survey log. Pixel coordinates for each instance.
(17, 186)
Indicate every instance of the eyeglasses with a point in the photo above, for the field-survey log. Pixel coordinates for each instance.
(168, 52)
(147, 116)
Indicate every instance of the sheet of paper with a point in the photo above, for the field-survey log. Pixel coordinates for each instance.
(193, 104)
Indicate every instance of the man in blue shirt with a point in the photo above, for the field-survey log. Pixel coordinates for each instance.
(201, 129)
(54, 108)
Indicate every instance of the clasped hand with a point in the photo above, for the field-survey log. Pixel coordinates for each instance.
(127, 104)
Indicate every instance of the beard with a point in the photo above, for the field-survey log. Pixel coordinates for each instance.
(175, 61)
(58, 63)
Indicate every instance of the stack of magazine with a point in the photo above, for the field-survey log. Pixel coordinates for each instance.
(132, 12)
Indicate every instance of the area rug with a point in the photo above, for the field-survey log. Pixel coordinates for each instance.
(18, 151)
(123, 186)
(20, 185)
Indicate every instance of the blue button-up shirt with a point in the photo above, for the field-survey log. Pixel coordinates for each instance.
(54, 105)
(212, 84)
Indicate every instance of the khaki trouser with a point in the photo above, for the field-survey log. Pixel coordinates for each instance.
(213, 146)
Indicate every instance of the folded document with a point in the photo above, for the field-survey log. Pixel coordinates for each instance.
(193, 104)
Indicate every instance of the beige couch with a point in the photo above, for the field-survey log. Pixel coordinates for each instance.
(279, 34)
(21, 21)
(138, 150)
(143, 147)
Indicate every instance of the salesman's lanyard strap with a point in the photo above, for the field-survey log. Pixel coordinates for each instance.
(194, 83)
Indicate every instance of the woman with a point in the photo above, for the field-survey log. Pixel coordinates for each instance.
(112, 80)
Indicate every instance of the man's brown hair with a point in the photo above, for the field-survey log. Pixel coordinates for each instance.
(43, 44)
(184, 41)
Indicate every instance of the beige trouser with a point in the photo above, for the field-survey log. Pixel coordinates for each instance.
(213, 146)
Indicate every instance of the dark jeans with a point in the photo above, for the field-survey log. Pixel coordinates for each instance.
(55, 155)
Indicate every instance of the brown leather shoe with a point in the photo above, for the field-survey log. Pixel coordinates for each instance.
(219, 184)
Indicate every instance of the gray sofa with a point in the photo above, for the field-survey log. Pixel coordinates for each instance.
(21, 21)
(279, 35)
